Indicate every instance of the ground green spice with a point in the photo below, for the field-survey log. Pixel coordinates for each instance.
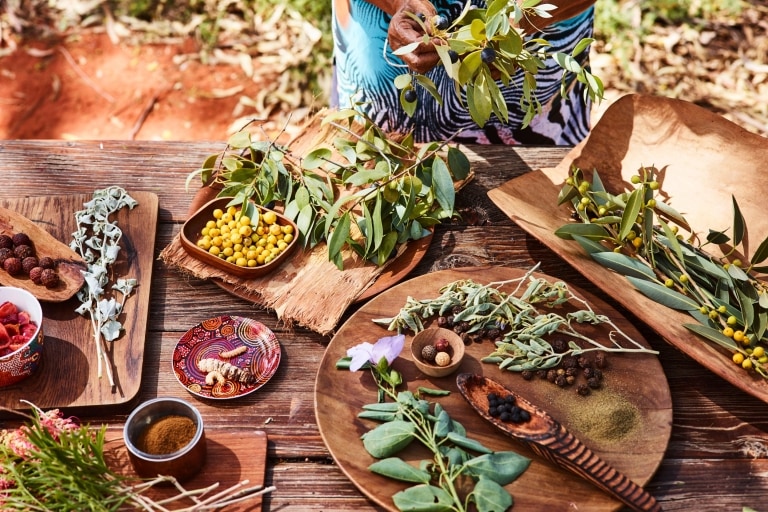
(608, 416)
(166, 435)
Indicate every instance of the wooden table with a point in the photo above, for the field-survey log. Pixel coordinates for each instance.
(717, 458)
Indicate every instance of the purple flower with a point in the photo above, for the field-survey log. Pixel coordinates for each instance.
(388, 347)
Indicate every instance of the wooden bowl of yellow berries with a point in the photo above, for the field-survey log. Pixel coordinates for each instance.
(437, 352)
(246, 246)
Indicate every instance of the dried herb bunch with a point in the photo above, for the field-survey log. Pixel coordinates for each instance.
(483, 45)
(523, 326)
(636, 234)
(367, 190)
(52, 463)
(97, 240)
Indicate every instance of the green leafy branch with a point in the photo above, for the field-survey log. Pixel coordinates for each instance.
(441, 481)
(483, 46)
(636, 234)
(53, 464)
(524, 327)
(365, 190)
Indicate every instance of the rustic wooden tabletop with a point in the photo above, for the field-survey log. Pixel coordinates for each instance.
(717, 455)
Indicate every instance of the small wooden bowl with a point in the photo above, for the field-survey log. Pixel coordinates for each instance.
(190, 233)
(429, 337)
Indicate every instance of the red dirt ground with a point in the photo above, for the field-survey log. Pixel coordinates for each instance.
(89, 88)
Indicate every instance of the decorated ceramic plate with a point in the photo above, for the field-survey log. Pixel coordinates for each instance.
(226, 357)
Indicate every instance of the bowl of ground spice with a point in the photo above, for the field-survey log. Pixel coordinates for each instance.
(165, 436)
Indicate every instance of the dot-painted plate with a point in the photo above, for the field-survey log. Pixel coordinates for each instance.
(216, 336)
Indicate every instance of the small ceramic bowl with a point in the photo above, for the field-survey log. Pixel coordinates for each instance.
(24, 360)
(167, 420)
(191, 232)
(430, 337)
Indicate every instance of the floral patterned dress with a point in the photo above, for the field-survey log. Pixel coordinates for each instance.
(366, 69)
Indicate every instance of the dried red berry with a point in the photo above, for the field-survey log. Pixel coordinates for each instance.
(35, 275)
(49, 278)
(442, 345)
(23, 251)
(5, 253)
(6, 242)
(47, 262)
(12, 266)
(21, 239)
(28, 264)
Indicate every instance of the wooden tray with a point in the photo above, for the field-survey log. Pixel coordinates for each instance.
(708, 159)
(231, 458)
(638, 378)
(67, 376)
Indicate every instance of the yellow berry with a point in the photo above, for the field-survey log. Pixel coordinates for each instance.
(217, 213)
(731, 320)
(747, 364)
(637, 242)
(758, 352)
(722, 309)
(738, 358)
(669, 283)
(269, 217)
(728, 332)
(738, 336)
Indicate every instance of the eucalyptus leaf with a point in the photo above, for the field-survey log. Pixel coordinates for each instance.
(663, 295)
(711, 334)
(739, 224)
(589, 245)
(624, 265)
(589, 231)
(631, 211)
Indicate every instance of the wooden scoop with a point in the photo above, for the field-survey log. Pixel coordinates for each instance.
(549, 439)
(68, 263)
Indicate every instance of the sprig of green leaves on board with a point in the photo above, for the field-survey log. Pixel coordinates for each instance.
(636, 234)
(483, 46)
(365, 190)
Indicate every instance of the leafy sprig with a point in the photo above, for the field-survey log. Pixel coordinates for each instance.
(442, 482)
(365, 190)
(97, 240)
(482, 46)
(637, 234)
(53, 464)
(524, 344)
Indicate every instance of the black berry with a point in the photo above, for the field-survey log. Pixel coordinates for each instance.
(409, 96)
(488, 55)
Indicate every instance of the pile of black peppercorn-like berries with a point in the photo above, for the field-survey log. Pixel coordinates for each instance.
(506, 409)
(18, 257)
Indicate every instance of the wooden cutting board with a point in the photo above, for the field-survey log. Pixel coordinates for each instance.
(632, 384)
(231, 457)
(68, 375)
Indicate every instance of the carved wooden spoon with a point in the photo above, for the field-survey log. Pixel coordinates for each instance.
(549, 439)
(68, 263)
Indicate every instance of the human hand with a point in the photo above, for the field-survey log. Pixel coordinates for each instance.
(404, 30)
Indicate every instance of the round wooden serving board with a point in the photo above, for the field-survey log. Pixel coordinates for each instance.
(636, 380)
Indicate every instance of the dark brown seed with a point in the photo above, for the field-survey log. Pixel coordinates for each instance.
(47, 262)
(35, 275)
(23, 251)
(49, 278)
(28, 264)
(5, 253)
(21, 239)
(12, 266)
(6, 242)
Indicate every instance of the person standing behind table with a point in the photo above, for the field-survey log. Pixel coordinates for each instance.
(361, 29)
